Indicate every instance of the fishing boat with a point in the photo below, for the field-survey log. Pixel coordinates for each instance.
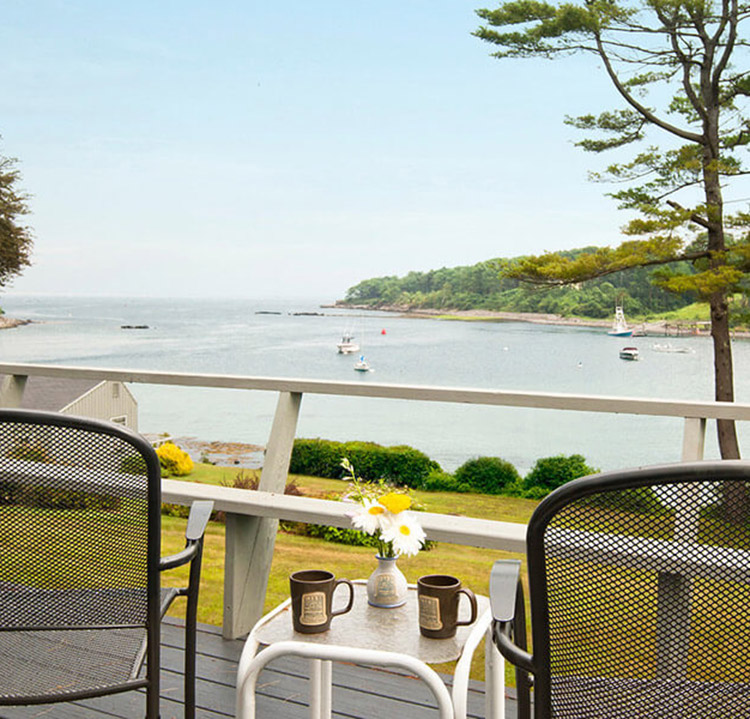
(619, 325)
(347, 346)
(361, 365)
(629, 353)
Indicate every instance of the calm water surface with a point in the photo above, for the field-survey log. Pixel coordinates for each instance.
(230, 337)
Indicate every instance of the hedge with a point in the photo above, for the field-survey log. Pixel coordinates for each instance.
(400, 465)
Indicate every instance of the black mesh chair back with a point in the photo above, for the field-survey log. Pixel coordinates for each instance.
(640, 594)
(79, 559)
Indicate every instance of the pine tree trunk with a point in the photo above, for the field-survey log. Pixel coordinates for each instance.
(723, 374)
(735, 499)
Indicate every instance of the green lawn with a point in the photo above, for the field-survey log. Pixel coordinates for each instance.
(597, 617)
(293, 552)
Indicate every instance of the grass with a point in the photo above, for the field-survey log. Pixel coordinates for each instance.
(602, 618)
(292, 552)
(696, 312)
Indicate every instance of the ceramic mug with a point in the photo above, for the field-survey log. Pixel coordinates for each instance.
(312, 593)
(438, 596)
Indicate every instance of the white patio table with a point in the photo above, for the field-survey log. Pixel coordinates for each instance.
(379, 637)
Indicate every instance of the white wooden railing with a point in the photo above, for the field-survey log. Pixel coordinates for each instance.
(252, 517)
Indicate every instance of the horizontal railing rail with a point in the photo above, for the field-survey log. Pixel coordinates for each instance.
(422, 393)
(252, 517)
(470, 531)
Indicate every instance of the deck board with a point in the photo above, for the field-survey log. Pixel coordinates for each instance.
(358, 692)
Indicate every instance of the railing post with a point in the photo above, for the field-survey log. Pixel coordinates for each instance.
(693, 439)
(675, 591)
(250, 541)
(11, 391)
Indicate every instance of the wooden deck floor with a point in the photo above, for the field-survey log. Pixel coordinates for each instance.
(358, 692)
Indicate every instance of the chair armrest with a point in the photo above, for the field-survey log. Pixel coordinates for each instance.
(504, 578)
(200, 512)
(509, 618)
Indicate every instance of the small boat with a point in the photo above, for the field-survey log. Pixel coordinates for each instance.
(629, 353)
(347, 346)
(361, 365)
(668, 347)
(619, 325)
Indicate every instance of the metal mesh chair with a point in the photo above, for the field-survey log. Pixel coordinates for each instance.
(639, 586)
(80, 594)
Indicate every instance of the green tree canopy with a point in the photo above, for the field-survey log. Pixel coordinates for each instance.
(15, 238)
(671, 61)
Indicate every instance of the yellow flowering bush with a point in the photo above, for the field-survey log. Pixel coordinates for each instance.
(174, 461)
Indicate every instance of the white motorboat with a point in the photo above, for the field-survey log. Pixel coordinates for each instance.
(629, 353)
(619, 325)
(347, 346)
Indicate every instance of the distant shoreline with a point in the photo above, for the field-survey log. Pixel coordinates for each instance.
(660, 328)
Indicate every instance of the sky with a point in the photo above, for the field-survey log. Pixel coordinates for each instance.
(262, 149)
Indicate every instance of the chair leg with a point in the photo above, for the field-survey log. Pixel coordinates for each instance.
(153, 667)
(190, 650)
(191, 626)
(152, 701)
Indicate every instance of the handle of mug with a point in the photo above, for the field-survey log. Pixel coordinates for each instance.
(473, 602)
(351, 596)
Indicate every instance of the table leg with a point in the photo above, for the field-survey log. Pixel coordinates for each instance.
(494, 680)
(321, 672)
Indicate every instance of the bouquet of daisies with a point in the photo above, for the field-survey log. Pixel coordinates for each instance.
(386, 517)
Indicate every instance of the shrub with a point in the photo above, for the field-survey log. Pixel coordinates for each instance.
(551, 472)
(133, 464)
(639, 500)
(30, 452)
(12, 493)
(489, 475)
(402, 466)
(244, 479)
(174, 461)
(341, 535)
(443, 482)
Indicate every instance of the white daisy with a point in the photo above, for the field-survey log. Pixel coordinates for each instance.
(368, 516)
(404, 533)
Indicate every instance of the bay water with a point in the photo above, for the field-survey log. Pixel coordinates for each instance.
(284, 338)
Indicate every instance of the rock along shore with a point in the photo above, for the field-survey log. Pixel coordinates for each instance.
(8, 323)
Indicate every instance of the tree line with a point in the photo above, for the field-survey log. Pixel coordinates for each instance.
(483, 286)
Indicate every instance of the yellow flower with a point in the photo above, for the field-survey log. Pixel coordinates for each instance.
(395, 503)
